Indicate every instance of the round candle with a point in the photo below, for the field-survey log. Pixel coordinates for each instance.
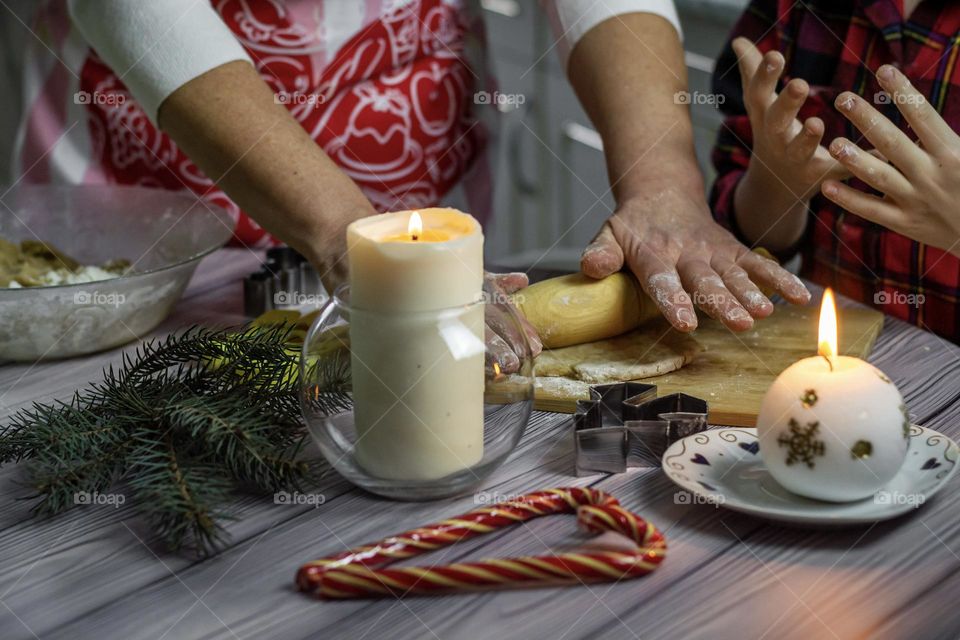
(417, 342)
(833, 427)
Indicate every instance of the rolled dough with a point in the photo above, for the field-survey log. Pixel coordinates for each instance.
(650, 350)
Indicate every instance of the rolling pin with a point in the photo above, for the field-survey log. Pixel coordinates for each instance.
(574, 309)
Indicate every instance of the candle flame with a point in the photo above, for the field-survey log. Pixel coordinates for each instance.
(415, 226)
(496, 369)
(827, 342)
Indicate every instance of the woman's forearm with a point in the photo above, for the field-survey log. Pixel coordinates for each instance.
(230, 126)
(629, 72)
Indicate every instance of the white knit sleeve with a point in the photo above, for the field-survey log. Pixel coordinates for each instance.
(156, 46)
(571, 19)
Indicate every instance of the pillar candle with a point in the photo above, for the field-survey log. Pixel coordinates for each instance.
(417, 348)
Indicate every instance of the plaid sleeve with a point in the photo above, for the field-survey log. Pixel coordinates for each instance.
(731, 152)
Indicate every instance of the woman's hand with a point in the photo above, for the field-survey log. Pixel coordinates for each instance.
(787, 154)
(662, 229)
(673, 246)
(503, 338)
(922, 186)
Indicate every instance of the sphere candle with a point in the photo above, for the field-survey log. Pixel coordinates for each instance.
(833, 427)
(416, 337)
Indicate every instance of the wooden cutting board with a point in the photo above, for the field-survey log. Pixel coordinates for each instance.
(734, 371)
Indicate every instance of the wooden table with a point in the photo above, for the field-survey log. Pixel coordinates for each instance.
(96, 571)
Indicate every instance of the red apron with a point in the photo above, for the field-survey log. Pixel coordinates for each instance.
(391, 106)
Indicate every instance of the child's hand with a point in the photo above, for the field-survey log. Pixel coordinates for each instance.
(922, 188)
(786, 153)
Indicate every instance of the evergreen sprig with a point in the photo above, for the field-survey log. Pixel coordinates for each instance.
(184, 421)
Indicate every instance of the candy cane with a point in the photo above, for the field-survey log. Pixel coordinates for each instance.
(355, 573)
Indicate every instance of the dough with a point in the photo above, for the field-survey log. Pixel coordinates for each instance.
(650, 350)
(561, 388)
(35, 264)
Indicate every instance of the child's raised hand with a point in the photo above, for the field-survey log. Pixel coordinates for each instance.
(922, 187)
(786, 152)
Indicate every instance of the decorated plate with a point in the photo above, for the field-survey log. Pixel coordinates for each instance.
(723, 467)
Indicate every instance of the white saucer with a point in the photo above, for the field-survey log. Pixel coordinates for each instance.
(723, 467)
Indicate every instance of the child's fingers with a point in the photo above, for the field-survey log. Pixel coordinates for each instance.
(879, 175)
(885, 136)
(782, 114)
(763, 88)
(864, 205)
(805, 143)
(833, 170)
(748, 60)
(934, 132)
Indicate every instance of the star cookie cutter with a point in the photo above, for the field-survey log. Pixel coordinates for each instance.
(626, 425)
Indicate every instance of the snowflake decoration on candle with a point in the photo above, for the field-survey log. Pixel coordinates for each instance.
(809, 398)
(906, 421)
(801, 443)
(861, 449)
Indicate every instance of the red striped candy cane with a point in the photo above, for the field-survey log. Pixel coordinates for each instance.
(363, 572)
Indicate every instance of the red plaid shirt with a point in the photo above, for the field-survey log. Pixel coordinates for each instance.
(837, 46)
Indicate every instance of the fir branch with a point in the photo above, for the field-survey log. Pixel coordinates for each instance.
(331, 393)
(185, 420)
(182, 497)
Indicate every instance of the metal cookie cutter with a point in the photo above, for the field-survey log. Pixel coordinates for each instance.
(626, 425)
(284, 279)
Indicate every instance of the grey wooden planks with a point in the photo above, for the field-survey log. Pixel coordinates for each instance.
(97, 573)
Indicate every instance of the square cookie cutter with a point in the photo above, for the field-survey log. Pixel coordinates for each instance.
(626, 425)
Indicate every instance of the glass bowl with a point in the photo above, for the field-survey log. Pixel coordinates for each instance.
(415, 405)
(164, 234)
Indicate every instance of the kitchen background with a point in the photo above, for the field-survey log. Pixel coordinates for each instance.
(551, 179)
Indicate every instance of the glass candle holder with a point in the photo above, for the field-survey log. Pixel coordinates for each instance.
(415, 405)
